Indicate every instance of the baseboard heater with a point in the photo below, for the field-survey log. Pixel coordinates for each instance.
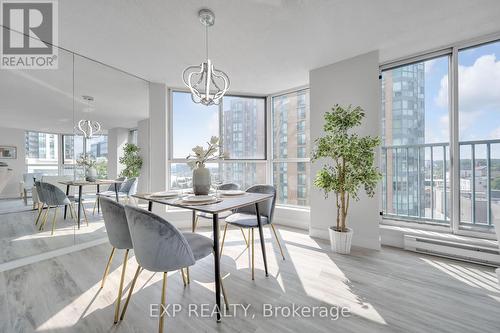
(455, 250)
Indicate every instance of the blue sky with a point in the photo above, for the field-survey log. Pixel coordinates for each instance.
(479, 95)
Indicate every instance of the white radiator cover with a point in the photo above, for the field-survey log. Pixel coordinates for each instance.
(451, 249)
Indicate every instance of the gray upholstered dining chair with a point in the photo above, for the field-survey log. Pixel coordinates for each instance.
(38, 189)
(118, 233)
(54, 197)
(161, 247)
(223, 215)
(246, 218)
(108, 193)
(126, 190)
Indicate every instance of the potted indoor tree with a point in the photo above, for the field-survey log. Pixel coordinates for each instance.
(350, 165)
(131, 160)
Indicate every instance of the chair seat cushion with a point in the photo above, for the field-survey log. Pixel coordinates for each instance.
(222, 215)
(200, 245)
(245, 220)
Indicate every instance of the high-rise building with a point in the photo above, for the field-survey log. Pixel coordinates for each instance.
(403, 109)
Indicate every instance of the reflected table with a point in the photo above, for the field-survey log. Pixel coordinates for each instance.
(81, 183)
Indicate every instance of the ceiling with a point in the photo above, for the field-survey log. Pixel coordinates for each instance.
(265, 46)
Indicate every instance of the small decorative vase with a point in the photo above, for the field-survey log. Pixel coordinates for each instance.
(91, 174)
(340, 241)
(201, 180)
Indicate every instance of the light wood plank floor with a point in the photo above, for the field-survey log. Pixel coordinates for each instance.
(387, 291)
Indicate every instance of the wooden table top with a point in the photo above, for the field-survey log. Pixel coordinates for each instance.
(227, 203)
(86, 183)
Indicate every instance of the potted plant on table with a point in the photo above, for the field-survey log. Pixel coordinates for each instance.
(350, 166)
(88, 162)
(201, 174)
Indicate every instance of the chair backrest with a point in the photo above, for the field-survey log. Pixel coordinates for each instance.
(229, 186)
(53, 195)
(29, 180)
(39, 191)
(129, 187)
(266, 208)
(158, 245)
(55, 180)
(116, 224)
(112, 186)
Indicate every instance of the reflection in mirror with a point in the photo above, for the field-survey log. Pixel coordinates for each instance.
(36, 114)
(111, 111)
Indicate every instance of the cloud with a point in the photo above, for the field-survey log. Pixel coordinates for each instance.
(428, 65)
(479, 86)
(495, 134)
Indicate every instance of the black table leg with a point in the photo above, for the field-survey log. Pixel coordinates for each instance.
(261, 233)
(150, 206)
(193, 219)
(66, 207)
(97, 199)
(116, 192)
(79, 204)
(217, 264)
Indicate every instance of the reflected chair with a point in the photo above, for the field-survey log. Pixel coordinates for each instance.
(246, 218)
(53, 197)
(109, 192)
(126, 190)
(222, 215)
(161, 247)
(27, 186)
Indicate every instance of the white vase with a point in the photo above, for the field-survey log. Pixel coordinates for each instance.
(201, 180)
(341, 241)
(91, 174)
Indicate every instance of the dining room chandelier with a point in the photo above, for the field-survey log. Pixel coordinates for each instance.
(206, 83)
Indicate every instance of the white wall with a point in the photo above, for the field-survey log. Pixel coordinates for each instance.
(143, 144)
(13, 137)
(158, 138)
(117, 138)
(352, 81)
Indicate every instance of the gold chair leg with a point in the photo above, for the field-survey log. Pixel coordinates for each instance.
(137, 272)
(222, 243)
(85, 214)
(40, 211)
(95, 205)
(183, 277)
(248, 244)
(106, 270)
(244, 237)
(73, 211)
(162, 306)
(253, 254)
(277, 240)
(120, 289)
(226, 301)
(54, 221)
(195, 223)
(44, 219)
(187, 275)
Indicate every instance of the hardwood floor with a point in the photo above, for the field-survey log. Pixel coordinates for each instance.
(386, 291)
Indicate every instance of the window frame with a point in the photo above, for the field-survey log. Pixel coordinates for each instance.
(452, 51)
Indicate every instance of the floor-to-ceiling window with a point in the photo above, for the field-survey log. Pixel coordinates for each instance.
(433, 107)
(42, 153)
(240, 123)
(290, 147)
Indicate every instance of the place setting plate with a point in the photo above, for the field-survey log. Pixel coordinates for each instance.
(199, 200)
(231, 193)
(164, 194)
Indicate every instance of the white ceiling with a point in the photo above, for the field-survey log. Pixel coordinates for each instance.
(264, 45)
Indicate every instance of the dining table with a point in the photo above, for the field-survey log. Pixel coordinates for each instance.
(82, 183)
(221, 204)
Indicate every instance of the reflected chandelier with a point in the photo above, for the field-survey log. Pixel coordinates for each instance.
(89, 128)
(206, 83)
